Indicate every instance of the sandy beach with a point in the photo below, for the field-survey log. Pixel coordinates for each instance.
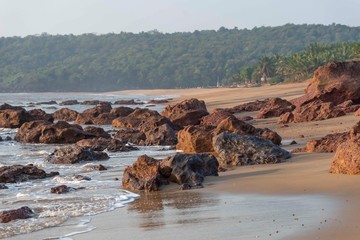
(298, 199)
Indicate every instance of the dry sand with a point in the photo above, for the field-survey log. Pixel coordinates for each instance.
(305, 174)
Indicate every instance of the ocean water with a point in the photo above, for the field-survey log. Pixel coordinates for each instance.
(101, 194)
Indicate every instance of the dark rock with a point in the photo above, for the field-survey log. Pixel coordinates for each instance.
(47, 103)
(3, 186)
(38, 114)
(20, 213)
(189, 169)
(142, 175)
(162, 135)
(128, 102)
(158, 101)
(8, 138)
(81, 178)
(75, 154)
(21, 173)
(94, 102)
(130, 135)
(121, 111)
(275, 107)
(69, 102)
(97, 132)
(187, 112)
(235, 149)
(65, 114)
(101, 144)
(61, 189)
(45, 132)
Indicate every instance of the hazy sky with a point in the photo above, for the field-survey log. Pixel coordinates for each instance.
(29, 17)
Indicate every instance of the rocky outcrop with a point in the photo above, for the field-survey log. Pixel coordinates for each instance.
(236, 149)
(185, 113)
(329, 143)
(274, 107)
(101, 144)
(144, 174)
(21, 173)
(195, 139)
(45, 132)
(65, 114)
(20, 213)
(75, 154)
(13, 117)
(189, 169)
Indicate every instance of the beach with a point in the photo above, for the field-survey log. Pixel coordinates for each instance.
(305, 175)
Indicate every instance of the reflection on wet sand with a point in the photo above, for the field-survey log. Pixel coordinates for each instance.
(183, 204)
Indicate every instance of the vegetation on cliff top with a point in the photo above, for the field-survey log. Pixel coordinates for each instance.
(92, 62)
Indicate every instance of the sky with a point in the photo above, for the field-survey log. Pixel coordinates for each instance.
(31, 17)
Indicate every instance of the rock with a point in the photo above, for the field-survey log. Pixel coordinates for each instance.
(130, 135)
(96, 167)
(52, 102)
(45, 132)
(69, 102)
(357, 113)
(88, 116)
(189, 169)
(329, 143)
(187, 112)
(134, 119)
(95, 102)
(195, 139)
(101, 144)
(347, 158)
(235, 149)
(121, 111)
(287, 117)
(13, 117)
(275, 107)
(248, 107)
(159, 101)
(65, 114)
(75, 154)
(142, 175)
(21, 173)
(3, 186)
(268, 134)
(246, 118)
(81, 178)
(38, 114)
(61, 189)
(97, 132)
(20, 213)
(162, 135)
(234, 125)
(313, 111)
(214, 118)
(8, 138)
(128, 102)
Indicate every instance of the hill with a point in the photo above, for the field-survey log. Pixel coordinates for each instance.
(150, 60)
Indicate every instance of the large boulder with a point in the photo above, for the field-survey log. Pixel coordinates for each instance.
(187, 112)
(189, 169)
(195, 139)
(97, 132)
(75, 154)
(101, 144)
(215, 118)
(131, 135)
(12, 116)
(46, 132)
(88, 116)
(237, 149)
(21, 173)
(121, 111)
(134, 119)
(65, 114)
(15, 214)
(144, 174)
(162, 135)
(275, 107)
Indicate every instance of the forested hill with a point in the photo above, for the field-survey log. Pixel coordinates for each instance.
(91, 62)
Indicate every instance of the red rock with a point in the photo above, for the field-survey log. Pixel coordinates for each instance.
(248, 107)
(214, 118)
(38, 114)
(20, 213)
(347, 158)
(97, 132)
(12, 117)
(88, 116)
(134, 119)
(329, 143)
(65, 114)
(275, 107)
(357, 113)
(121, 111)
(130, 135)
(195, 139)
(187, 112)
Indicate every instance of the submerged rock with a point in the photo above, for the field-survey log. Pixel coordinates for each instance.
(75, 154)
(236, 149)
(20, 213)
(21, 173)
